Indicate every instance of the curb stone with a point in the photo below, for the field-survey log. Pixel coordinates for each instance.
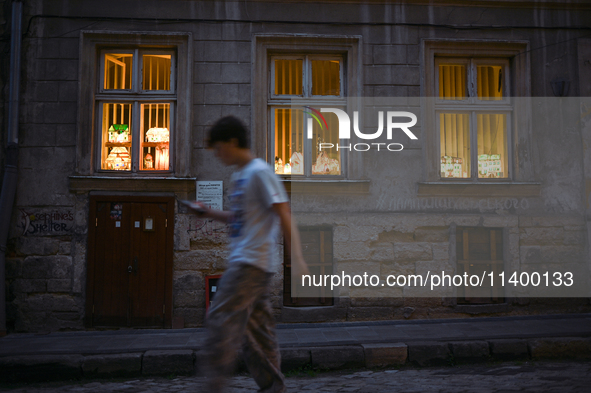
(183, 362)
(509, 349)
(40, 368)
(294, 358)
(383, 355)
(115, 365)
(350, 356)
(470, 351)
(560, 347)
(429, 353)
(157, 362)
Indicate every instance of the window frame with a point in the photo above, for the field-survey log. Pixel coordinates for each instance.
(515, 55)
(154, 51)
(287, 101)
(325, 251)
(135, 96)
(496, 263)
(92, 45)
(471, 64)
(101, 86)
(291, 45)
(473, 121)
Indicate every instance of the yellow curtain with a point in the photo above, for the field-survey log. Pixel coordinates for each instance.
(452, 82)
(492, 141)
(454, 131)
(490, 82)
(326, 78)
(288, 76)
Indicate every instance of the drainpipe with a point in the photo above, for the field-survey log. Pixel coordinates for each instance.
(10, 169)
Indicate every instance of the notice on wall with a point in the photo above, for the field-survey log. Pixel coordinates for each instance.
(211, 193)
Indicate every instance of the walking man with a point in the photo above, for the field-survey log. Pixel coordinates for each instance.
(241, 313)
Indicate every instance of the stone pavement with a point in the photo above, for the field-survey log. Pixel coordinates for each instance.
(89, 354)
(534, 377)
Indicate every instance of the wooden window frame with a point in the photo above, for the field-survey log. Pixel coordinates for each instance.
(265, 47)
(520, 143)
(473, 122)
(287, 101)
(136, 96)
(93, 43)
(326, 252)
(472, 106)
(495, 264)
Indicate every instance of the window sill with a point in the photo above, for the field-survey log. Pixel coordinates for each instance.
(83, 184)
(326, 186)
(501, 189)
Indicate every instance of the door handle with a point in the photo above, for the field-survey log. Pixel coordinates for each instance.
(129, 269)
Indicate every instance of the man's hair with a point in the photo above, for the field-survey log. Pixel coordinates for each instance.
(226, 129)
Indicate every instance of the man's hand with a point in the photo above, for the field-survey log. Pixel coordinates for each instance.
(199, 207)
(202, 210)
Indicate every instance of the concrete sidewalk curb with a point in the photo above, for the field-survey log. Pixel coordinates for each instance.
(558, 347)
(183, 362)
(121, 365)
(40, 368)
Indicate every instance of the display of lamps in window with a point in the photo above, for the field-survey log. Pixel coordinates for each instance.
(145, 144)
(327, 161)
(472, 106)
(290, 143)
(116, 120)
(492, 145)
(305, 77)
(155, 148)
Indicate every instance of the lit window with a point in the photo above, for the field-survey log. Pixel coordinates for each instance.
(118, 67)
(156, 72)
(155, 136)
(116, 134)
(473, 114)
(315, 82)
(136, 109)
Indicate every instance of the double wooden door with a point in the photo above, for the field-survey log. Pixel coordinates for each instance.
(130, 262)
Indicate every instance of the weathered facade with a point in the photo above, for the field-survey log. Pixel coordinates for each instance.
(98, 238)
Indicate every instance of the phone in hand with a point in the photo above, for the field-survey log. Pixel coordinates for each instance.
(193, 205)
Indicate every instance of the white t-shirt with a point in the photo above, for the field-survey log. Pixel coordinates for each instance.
(254, 227)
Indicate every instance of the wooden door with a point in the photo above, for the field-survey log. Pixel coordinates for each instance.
(130, 262)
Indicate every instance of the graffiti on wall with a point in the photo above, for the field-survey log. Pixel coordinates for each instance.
(43, 223)
(207, 229)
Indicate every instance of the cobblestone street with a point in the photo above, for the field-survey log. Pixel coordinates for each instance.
(504, 377)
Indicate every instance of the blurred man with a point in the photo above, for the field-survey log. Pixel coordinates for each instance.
(241, 313)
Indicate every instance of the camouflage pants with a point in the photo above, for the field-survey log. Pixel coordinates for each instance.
(241, 315)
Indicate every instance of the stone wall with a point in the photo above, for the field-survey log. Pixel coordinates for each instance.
(410, 244)
(391, 229)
